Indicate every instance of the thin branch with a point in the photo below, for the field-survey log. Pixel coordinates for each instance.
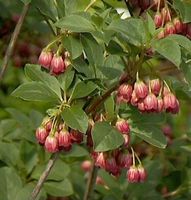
(89, 5)
(13, 40)
(91, 182)
(44, 176)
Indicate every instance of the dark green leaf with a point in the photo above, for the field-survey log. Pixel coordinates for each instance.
(10, 183)
(169, 49)
(93, 50)
(35, 73)
(75, 118)
(184, 8)
(110, 107)
(26, 1)
(35, 91)
(83, 89)
(66, 79)
(151, 134)
(74, 46)
(105, 137)
(75, 23)
(132, 29)
(63, 188)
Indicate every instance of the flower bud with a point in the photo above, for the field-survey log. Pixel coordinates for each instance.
(100, 160)
(141, 89)
(99, 181)
(126, 139)
(122, 126)
(125, 90)
(57, 64)
(160, 104)
(64, 139)
(167, 130)
(76, 136)
(134, 99)
(169, 29)
(142, 173)
(178, 25)
(161, 34)
(158, 20)
(133, 174)
(155, 86)
(86, 165)
(111, 166)
(51, 144)
(41, 135)
(171, 103)
(45, 59)
(166, 16)
(141, 106)
(124, 160)
(151, 103)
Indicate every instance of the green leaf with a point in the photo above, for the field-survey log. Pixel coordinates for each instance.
(182, 41)
(83, 89)
(150, 133)
(132, 29)
(74, 46)
(63, 188)
(77, 151)
(169, 49)
(28, 155)
(26, 1)
(93, 50)
(35, 73)
(58, 172)
(184, 8)
(105, 137)
(75, 118)
(75, 23)
(10, 183)
(35, 91)
(150, 24)
(9, 153)
(66, 79)
(110, 73)
(110, 107)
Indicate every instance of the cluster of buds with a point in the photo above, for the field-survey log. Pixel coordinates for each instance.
(136, 174)
(167, 130)
(151, 97)
(56, 63)
(57, 138)
(170, 24)
(114, 161)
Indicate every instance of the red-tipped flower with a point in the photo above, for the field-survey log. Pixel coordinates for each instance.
(122, 126)
(51, 144)
(100, 160)
(158, 20)
(160, 104)
(64, 139)
(155, 86)
(133, 174)
(45, 59)
(142, 173)
(41, 135)
(171, 104)
(166, 16)
(86, 165)
(151, 103)
(111, 166)
(125, 90)
(76, 136)
(141, 89)
(170, 29)
(124, 160)
(178, 25)
(57, 64)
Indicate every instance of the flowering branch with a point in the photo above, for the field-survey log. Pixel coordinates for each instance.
(13, 40)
